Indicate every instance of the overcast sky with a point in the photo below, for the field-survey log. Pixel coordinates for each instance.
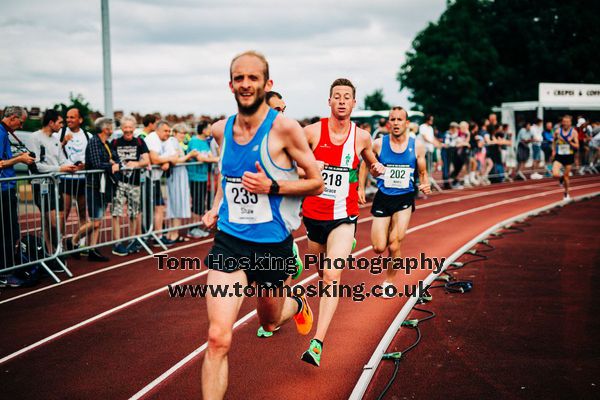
(173, 55)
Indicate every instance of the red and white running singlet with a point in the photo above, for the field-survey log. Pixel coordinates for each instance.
(340, 197)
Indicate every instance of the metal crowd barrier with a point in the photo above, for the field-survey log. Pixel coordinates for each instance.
(30, 234)
(103, 209)
(92, 209)
(185, 201)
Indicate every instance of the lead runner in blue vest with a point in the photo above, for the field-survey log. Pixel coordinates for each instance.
(257, 206)
(394, 201)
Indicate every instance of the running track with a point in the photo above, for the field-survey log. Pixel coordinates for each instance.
(112, 332)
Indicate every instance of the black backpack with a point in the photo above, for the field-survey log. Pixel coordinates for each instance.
(31, 248)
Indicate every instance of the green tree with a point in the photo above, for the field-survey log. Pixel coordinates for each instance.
(544, 41)
(82, 105)
(375, 101)
(481, 53)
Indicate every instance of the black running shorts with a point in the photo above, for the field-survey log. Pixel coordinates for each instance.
(565, 160)
(269, 264)
(318, 230)
(385, 205)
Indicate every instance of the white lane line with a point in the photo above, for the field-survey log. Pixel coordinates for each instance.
(460, 198)
(164, 376)
(426, 205)
(187, 246)
(309, 278)
(157, 291)
(96, 318)
(370, 368)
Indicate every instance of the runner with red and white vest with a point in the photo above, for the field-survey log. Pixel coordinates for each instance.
(330, 218)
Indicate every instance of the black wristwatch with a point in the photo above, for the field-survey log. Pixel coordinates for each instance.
(274, 187)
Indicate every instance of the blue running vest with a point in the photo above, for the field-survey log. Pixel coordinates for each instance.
(399, 168)
(563, 147)
(259, 218)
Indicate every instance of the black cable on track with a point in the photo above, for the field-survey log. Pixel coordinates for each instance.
(509, 230)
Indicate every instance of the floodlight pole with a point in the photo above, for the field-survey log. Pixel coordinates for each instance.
(108, 105)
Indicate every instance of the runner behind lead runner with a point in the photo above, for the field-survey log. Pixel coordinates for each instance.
(330, 218)
(563, 154)
(257, 206)
(394, 201)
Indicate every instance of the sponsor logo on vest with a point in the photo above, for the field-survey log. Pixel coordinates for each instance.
(348, 157)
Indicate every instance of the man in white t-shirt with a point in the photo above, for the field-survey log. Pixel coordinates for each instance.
(74, 140)
(49, 158)
(536, 147)
(160, 162)
(427, 136)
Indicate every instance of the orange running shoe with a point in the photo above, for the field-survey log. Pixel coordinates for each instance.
(304, 319)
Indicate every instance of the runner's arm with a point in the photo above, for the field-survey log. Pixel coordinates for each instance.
(311, 135)
(376, 168)
(210, 218)
(299, 151)
(554, 139)
(363, 173)
(424, 185)
(362, 181)
(574, 141)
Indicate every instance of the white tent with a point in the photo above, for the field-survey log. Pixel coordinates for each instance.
(554, 96)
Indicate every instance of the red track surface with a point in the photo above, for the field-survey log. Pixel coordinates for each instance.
(528, 330)
(118, 355)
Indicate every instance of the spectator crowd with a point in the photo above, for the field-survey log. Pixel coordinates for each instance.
(471, 154)
(123, 169)
(135, 168)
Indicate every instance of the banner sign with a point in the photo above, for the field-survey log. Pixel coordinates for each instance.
(569, 94)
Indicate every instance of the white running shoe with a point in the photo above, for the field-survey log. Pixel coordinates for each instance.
(536, 176)
(467, 182)
(203, 233)
(197, 233)
(566, 197)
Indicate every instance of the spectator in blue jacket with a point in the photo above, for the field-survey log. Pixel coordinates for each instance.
(13, 118)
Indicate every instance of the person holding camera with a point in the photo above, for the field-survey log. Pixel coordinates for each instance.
(13, 118)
